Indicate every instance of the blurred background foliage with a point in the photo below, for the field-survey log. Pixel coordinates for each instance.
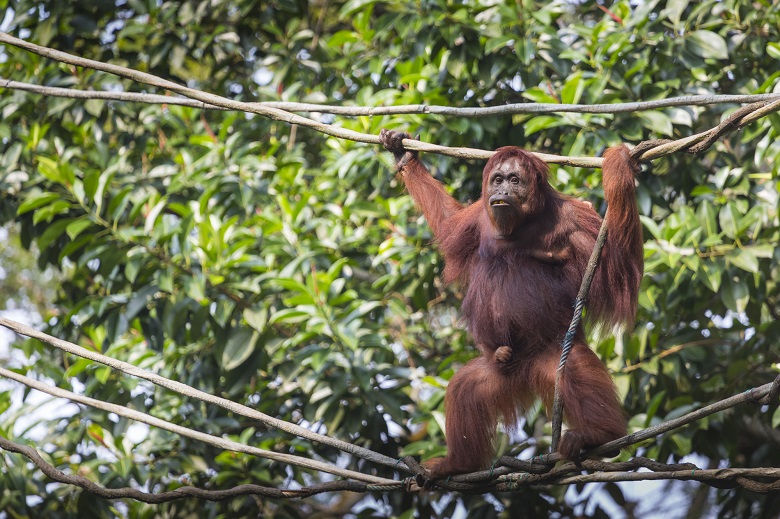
(288, 270)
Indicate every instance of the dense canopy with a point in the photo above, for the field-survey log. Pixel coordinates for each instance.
(285, 269)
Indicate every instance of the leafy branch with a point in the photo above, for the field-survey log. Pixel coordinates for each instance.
(508, 474)
(191, 392)
(649, 149)
(216, 441)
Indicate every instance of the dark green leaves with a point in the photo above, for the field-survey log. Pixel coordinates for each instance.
(280, 267)
(707, 44)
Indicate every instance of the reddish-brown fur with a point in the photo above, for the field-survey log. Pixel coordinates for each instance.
(519, 294)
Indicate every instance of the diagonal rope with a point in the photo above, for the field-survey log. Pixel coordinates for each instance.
(644, 151)
(579, 304)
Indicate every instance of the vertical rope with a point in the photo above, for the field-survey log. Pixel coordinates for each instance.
(568, 341)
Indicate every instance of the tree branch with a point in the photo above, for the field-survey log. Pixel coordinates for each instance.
(271, 113)
(482, 111)
(719, 478)
(187, 491)
(191, 392)
(276, 114)
(506, 465)
(504, 477)
(216, 441)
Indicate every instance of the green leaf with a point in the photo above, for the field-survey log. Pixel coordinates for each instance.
(497, 43)
(78, 226)
(706, 216)
(133, 266)
(543, 16)
(744, 259)
(240, 345)
(257, 319)
(653, 406)
(77, 367)
(573, 88)
(677, 412)
(165, 278)
(651, 226)
(103, 182)
(541, 122)
(352, 6)
(702, 190)
(74, 245)
(291, 284)
(35, 201)
(537, 95)
(729, 216)
(707, 44)
(50, 169)
(658, 122)
(151, 217)
(773, 49)
(102, 374)
(223, 311)
(139, 301)
(94, 106)
(735, 294)
(342, 37)
(711, 274)
(765, 250)
(48, 212)
(53, 232)
(674, 11)
(289, 315)
(195, 287)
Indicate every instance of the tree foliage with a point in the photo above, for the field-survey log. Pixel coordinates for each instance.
(283, 268)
